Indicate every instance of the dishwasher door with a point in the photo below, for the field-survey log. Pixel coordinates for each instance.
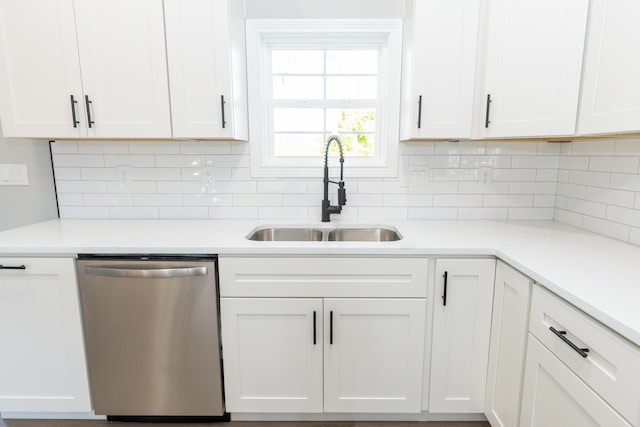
(152, 336)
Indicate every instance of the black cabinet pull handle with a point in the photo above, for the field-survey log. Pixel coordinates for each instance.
(331, 327)
(444, 294)
(486, 119)
(73, 112)
(13, 267)
(419, 111)
(87, 102)
(561, 334)
(314, 328)
(224, 122)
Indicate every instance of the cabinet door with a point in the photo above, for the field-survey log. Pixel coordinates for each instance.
(39, 70)
(610, 100)
(373, 355)
(42, 362)
(205, 52)
(461, 331)
(124, 68)
(533, 65)
(272, 354)
(439, 69)
(509, 331)
(553, 396)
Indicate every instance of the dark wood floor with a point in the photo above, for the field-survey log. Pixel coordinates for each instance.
(94, 423)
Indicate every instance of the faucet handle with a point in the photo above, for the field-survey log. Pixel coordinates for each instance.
(342, 194)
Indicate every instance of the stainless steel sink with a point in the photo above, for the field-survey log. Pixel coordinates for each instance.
(286, 235)
(363, 235)
(310, 234)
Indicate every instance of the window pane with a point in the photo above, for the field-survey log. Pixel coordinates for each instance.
(352, 87)
(355, 145)
(351, 120)
(352, 61)
(288, 87)
(298, 119)
(297, 61)
(287, 144)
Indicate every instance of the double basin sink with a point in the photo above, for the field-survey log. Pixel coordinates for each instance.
(312, 234)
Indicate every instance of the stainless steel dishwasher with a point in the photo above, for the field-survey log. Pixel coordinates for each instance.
(151, 328)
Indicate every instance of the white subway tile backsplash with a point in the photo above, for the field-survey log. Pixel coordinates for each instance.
(205, 147)
(530, 213)
(78, 161)
(103, 147)
(81, 187)
(64, 147)
(157, 200)
(133, 160)
(108, 200)
(267, 212)
(483, 213)
(611, 196)
(457, 200)
(594, 147)
(82, 212)
(134, 213)
(591, 184)
(154, 147)
(183, 212)
(614, 164)
(608, 228)
(183, 161)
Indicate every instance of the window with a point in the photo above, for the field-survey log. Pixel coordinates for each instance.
(310, 79)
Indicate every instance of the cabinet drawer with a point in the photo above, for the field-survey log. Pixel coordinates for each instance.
(323, 277)
(611, 366)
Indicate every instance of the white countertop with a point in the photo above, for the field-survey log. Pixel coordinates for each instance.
(595, 273)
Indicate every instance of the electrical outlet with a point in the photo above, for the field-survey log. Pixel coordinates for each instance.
(124, 176)
(416, 176)
(485, 175)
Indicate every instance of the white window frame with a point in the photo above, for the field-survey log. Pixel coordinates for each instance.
(265, 34)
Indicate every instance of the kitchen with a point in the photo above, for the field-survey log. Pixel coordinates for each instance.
(591, 183)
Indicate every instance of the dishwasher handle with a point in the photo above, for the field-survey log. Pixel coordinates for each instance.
(161, 273)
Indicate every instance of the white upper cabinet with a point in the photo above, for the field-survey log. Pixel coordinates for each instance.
(83, 68)
(610, 100)
(124, 71)
(39, 70)
(439, 63)
(532, 67)
(207, 68)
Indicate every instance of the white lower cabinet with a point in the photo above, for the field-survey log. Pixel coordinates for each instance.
(274, 350)
(320, 334)
(553, 396)
(272, 354)
(460, 337)
(42, 364)
(508, 348)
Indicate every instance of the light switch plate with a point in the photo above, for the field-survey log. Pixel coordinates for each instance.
(13, 175)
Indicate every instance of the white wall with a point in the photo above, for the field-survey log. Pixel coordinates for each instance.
(22, 205)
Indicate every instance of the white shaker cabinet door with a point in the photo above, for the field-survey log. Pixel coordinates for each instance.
(509, 331)
(439, 69)
(42, 362)
(610, 100)
(461, 332)
(533, 67)
(124, 68)
(207, 71)
(553, 396)
(40, 70)
(272, 354)
(373, 354)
